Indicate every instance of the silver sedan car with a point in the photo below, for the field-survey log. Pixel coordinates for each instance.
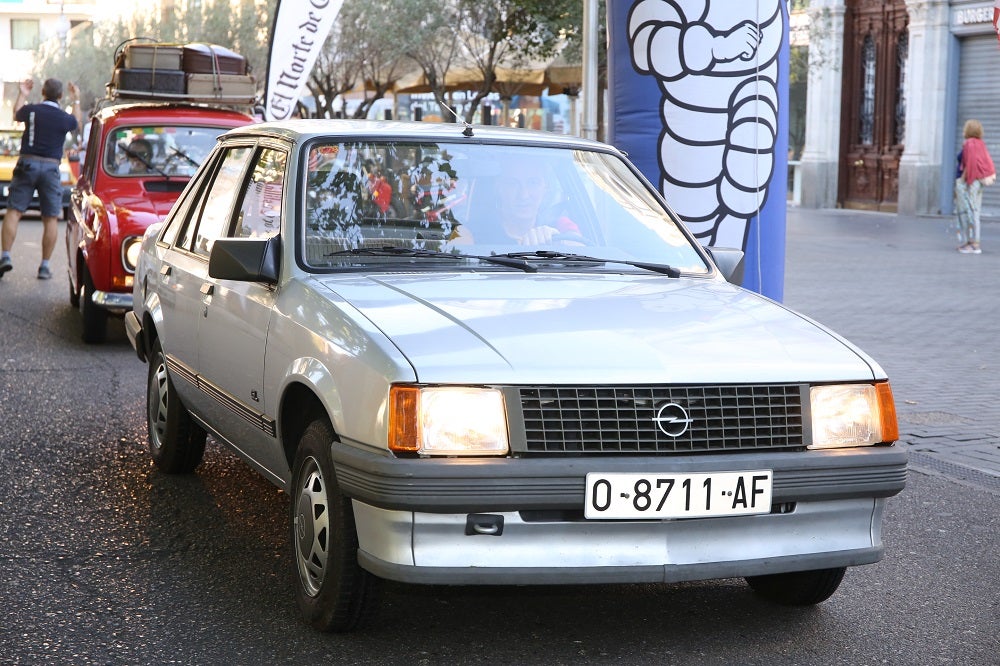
(493, 356)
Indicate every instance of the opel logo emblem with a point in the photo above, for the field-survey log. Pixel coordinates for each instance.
(672, 420)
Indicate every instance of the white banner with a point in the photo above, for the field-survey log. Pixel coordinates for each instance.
(299, 32)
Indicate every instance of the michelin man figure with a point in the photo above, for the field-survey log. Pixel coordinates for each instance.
(716, 63)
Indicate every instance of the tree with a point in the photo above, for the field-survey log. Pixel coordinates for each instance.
(378, 41)
(88, 58)
(372, 45)
(335, 73)
(436, 50)
(509, 33)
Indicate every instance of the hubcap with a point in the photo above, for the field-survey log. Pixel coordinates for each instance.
(158, 407)
(312, 528)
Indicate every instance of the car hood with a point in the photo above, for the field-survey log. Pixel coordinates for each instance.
(558, 328)
(145, 200)
(153, 206)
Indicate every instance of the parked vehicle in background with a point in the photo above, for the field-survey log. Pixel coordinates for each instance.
(139, 158)
(10, 148)
(494, 356)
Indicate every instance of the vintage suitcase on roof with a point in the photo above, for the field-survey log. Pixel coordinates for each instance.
(212, 59)
(225, 88)
(149, 83)
(152, 56)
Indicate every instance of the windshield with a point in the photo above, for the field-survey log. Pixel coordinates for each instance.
(158, 150)
(480, 199)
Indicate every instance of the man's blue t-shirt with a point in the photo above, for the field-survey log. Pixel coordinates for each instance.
(45, 127)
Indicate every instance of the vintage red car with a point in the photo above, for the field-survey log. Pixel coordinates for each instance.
(139, 158)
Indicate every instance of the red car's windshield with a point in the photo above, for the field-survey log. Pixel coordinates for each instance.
(166, 150)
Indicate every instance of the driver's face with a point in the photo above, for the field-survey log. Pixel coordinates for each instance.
(522, 192)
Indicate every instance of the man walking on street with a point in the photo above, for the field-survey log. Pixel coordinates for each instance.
(45, 128)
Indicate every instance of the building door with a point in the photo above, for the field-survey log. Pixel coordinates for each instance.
(874, 105)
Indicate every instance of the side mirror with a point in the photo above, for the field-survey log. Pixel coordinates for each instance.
(729, 261)
(245, 259)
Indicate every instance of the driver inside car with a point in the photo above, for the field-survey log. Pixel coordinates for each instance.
(523, 202)
(138, 156)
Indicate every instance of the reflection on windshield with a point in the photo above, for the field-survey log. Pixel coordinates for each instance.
(480, 200)
(160, 150)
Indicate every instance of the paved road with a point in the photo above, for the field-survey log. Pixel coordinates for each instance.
(105, 561)
(895, 286)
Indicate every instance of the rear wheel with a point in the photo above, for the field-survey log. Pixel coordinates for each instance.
(333, 593)
(176, 442)
(798, 588)
(95, 318)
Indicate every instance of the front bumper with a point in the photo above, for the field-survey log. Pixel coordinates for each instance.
(516, 484)
(113, 301)
(414, 523)
(133, 329)
(437, 549)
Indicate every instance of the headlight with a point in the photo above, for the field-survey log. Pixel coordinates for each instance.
(846, 415)
(130, 252)
(447, 421)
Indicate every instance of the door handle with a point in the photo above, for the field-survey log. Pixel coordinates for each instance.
(165, 270)
(207, 289)
(859, 163)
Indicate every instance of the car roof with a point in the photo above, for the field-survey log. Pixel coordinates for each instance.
(301, 130)
(156, 112)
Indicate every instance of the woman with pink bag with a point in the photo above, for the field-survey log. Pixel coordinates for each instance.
(976, 170)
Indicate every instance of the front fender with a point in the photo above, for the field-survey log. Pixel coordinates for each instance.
(151, 316)
(98, 244)
(312, 374)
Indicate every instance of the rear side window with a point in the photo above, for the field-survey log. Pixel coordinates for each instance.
(211, 216)
(260, 211)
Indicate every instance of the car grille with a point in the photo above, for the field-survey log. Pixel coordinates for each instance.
(579, 420)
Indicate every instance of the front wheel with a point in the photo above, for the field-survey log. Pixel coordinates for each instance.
(74, 296)
(95, 318)
(333, 592)
(798, 588)
(176, 442)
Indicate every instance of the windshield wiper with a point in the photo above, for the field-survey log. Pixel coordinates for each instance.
(552, 255)
(142, 158)
(392, 251)
(180, 153)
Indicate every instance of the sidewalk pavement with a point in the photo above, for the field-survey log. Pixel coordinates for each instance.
(896, 287)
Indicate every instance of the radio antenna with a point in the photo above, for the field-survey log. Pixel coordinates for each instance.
(468, 127)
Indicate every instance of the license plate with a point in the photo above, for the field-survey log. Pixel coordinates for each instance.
(650, 496)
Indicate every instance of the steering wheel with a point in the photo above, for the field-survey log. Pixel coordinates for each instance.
(570, 238)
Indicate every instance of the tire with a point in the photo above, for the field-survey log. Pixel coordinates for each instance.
(74, 296)
(176, 442)
(333, 592)
(95, 318)
(798, 588)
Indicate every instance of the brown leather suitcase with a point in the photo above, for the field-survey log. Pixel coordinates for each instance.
(212, 59)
